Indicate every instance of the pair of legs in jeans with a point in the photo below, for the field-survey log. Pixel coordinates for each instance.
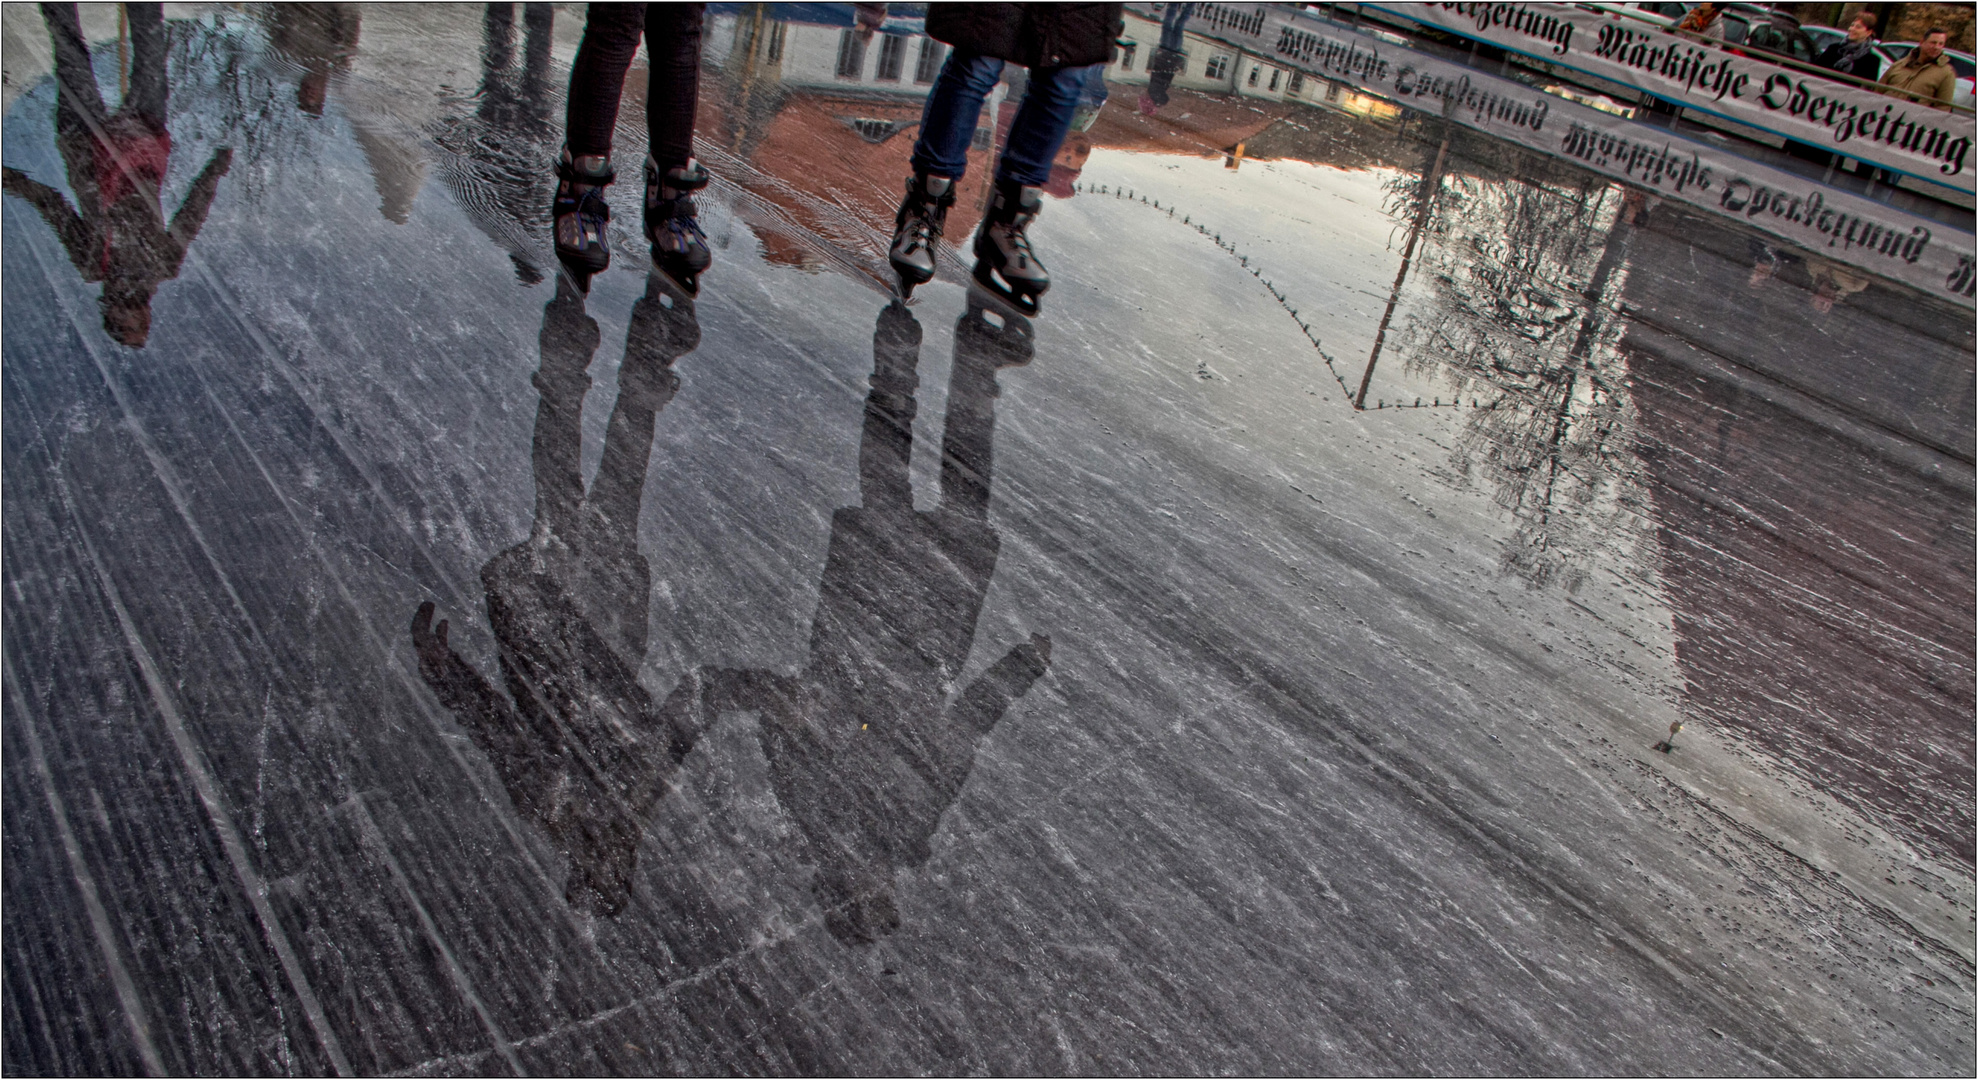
(1005, 262)
(597, 81)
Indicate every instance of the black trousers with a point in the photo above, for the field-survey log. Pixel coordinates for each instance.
(597, 79)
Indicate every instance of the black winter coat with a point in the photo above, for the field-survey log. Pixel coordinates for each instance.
(1865, 67)
(1034, 35)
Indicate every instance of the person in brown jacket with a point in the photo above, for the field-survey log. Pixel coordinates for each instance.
(1926, 73)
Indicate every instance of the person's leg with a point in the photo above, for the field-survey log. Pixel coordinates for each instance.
(75, 79)
(1172, 22)
(954, 107)
(148, 48)
(968, 434)
(597, 78)
(1041, 124)
(539, 26)
(1005, 262)
(886, 443)
(940, 157)
(673, 46)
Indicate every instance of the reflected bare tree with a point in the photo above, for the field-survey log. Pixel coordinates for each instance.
(1522, 270)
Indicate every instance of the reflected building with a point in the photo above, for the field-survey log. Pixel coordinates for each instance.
(1819, 569)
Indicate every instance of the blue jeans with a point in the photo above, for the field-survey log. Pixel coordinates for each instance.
(1172, 21)
(954, 107)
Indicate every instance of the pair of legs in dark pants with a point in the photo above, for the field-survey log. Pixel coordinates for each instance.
(597, 82)
(1004, 261)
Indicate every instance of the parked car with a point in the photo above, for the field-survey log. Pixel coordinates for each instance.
(1780, 33)
(1963, 63)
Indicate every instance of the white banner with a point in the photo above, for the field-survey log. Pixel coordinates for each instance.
(1834, 224)
(1896, 133)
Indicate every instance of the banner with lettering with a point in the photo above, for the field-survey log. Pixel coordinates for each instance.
(1832, 223)
(1897, 133)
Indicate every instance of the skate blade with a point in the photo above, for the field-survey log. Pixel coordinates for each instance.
(688, 283)
(1021, 304)
(577, 274)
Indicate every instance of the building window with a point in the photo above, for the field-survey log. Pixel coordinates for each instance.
(774, 52)
(1275, 77)
(1332, 90)
(1126, 52)
(1253, 75)
(982, 138)
(1218, 67)
(892, 54)
(1297, 82)
(851, 55)
(930, 61)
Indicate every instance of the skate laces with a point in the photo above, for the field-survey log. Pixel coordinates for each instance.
(921, 230)
(926, 212)
(581, 214)
(682, 228)
(1018, 241)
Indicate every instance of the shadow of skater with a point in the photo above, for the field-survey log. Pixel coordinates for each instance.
(866, 749)
(582, 748)
(116, 233)
(322, 38)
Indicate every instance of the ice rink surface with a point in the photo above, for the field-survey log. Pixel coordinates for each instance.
(416, 666)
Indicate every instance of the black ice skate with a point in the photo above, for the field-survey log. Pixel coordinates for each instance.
(679, 247)
(1004, 263)
(923, 214)
(581, 216)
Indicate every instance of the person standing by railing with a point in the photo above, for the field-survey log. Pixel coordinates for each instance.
(1854, 55)
(1925, 74)
(1704, 19)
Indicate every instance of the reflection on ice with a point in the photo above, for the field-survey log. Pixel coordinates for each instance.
(1166, 711)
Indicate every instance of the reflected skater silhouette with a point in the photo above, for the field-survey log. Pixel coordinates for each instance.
(582, 748)
(322, 38)
(866, 747)
(496, 155)
(116, 233)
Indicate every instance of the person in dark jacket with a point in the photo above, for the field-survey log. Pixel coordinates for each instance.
(1856, 55)
(1057, 42)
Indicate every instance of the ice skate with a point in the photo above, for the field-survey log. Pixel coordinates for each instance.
(580, 215)
(679, 247)
(922, 216)
(1004, 262)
